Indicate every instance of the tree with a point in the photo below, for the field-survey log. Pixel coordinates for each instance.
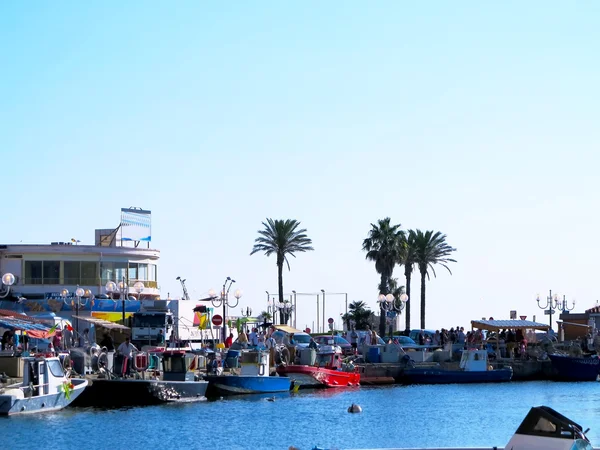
(407, 259)
(384, 246)
(360, 314)
(430, 249)
(282, 238)
(265, 316)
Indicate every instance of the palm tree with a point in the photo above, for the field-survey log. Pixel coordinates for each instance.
(265, 316)
(384, 246)
(360, 314)
(430, 249)
(407, 259)
(283, 238)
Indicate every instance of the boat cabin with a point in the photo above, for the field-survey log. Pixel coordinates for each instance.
(178, 365)
(254, 363)
(42, 376)
(545, 429)
(330, 357)
(474, 361)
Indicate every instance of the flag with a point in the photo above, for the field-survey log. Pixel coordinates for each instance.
(53, 329)
(69, 327)
(201, 320)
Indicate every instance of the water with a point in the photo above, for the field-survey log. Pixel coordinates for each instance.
(393, 416)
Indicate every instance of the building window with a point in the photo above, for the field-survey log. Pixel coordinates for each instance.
(33, 272)
(120, 271)
(51, 272)
(152, 272)
(133, 271)
(89, 273)
(71, 272)
(143, 272)
(107, 272)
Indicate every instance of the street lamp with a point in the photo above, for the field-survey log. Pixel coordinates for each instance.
(247, 312)
(79, 292)
(551, 303)
(389, 306)
(224, 300)
(139, 287)
(8, 279)
(562, 305)
(285, 309)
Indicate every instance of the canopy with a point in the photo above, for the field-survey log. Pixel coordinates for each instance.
(287, 329)
(102, 323)
(497, 325)
(34, 330)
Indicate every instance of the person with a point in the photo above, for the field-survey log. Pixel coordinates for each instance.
(56, 340)
(126, 349)
(229, 340)
(84, 339)
(374, 338)
(313, 344)
(354, 339)
(5, 339)
(253, 338)
(107, 341)
(67, 338)
(243, 339)
(271, 343)
(160, 339)
(172, 340)
(292, 348)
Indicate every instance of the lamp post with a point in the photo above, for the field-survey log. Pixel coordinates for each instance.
(323, 291)
(285, 309)
(551, 303)
(246, 312)
(224, 300)
(8, 279)
(79, 292)
(139, 287)
(388, 305)
(295, 308)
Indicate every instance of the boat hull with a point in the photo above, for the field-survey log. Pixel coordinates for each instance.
(439, 376)
(11, 405)
(313, 376)
(105, 393)
(569, 368)
(246, 384)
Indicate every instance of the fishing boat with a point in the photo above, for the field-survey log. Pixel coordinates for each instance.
(144, 384)
(328, 369)
(575, 368)
(542, 429)
(473, 368)
(44, 388)
(254, 377)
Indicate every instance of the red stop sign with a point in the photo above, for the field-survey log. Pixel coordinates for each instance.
(217, 320)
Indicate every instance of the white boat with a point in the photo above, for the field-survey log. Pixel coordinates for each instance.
(44, 388)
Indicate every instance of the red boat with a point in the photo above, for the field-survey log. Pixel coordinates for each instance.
(329, 370)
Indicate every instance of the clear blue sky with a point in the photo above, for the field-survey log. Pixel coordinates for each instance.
(478, 120)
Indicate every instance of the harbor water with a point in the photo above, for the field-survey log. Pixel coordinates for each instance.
(393, 416)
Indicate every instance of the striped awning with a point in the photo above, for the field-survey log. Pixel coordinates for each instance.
(496, 325)
(13, 323)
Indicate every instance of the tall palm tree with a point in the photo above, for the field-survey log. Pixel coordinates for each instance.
(282, 238)
(384, 246)
(407, 259)
(430, 248)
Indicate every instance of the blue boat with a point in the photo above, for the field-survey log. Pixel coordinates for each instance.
(253, 378)
(473, 368)
(575, 368)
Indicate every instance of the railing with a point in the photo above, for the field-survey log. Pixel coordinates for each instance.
(53, 281)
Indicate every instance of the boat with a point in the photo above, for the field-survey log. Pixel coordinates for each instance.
(327, 370)
(44, 388)
(542, 429)
(147, 385)
(254, 377)
(575, 368)
(473, 368)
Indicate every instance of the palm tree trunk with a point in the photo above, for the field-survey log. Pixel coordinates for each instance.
(408, 274)
(280, 284)
(423, 273)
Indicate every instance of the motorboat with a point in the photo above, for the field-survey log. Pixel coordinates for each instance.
(254, 376)
(473, 368)
(144, 383)
(45, 387)
(327, 370)
(542, 429)
(575, 368)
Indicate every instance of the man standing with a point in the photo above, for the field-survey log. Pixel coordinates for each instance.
(126, 349)
(354, 339)
(67, 336)
(270, 343)
(253, 338)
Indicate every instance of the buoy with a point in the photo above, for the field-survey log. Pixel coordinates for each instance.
(354, 408)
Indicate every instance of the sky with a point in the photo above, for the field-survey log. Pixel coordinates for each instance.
(475, 119)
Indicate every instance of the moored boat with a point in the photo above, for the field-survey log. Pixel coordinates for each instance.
(328, 370)
(473, 368)
(575, 368)
(254, 377)
(44, 388)
(145, 385)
